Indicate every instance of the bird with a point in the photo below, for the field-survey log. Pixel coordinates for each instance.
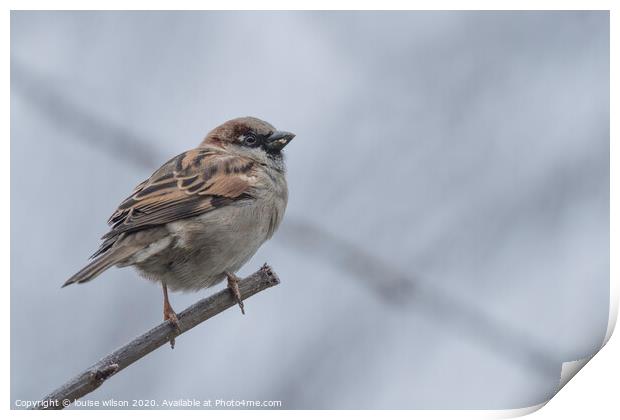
(202, 215)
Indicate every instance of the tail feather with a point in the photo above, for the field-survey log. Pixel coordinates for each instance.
(94, 268)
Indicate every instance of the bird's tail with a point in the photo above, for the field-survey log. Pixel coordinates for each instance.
(96, 267)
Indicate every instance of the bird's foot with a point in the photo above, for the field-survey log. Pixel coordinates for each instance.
(170, 316)
(233, 285)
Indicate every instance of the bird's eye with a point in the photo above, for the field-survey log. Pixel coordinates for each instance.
(250, 139)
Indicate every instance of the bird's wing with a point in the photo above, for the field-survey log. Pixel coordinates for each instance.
(190, 184)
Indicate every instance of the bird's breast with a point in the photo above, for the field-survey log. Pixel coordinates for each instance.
(203, 247)
(273, 200)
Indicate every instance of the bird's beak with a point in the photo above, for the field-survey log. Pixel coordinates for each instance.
(278, 139)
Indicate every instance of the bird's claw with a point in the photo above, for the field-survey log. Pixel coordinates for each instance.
(233, 286)
(171, 317)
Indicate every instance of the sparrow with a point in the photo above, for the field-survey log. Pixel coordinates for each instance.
(202, 215)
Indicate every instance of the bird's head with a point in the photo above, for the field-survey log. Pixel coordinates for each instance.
(249, 136)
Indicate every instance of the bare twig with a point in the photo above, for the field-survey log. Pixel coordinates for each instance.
(94, 376)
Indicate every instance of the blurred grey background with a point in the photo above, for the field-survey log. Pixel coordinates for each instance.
(446, 243)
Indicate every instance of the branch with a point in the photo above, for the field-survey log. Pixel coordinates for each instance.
(94, 376)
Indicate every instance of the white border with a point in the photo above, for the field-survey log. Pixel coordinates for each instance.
(580, 399)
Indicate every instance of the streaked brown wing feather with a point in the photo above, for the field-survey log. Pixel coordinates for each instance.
(190, 184)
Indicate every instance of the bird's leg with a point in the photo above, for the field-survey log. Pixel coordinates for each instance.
(233, 285)
(169, 314)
